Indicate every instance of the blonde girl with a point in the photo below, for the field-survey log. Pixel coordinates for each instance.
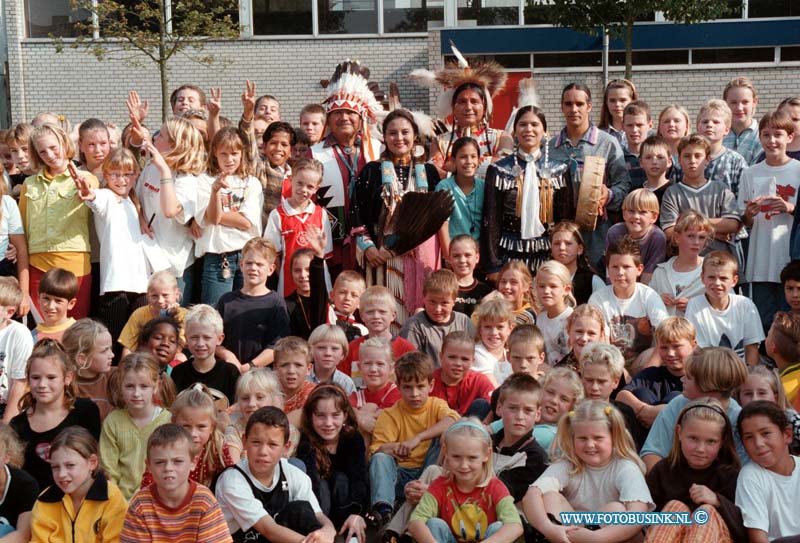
(56, 223)
(673, 124)
(678, 279)
(493, 319)
(125, 431)
(194, 409)
(514, 283)
(83, 506)
(88, 344)
(229, 203)
(618, 94)
(765, 384)
(19, 489)
(468, 495)
(255, 389)
(167, 190)
(50, 405)
(123, 255)
(562, 389)
(553, 289)
(329, 346)
(163, 297)
(585, 325)
(700, 473)
(597, 470)
(567, 247)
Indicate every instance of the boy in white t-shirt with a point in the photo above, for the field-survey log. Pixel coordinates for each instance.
(16, 344)
(767, 198)
(720, 318)
(632, 310)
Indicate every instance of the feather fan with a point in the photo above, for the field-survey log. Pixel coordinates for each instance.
(417, 217)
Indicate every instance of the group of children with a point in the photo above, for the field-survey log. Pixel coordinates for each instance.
(296, 403)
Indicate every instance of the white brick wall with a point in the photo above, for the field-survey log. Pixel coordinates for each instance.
(75, 84)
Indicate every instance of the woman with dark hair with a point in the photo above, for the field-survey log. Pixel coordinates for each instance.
(471, 109)
(379, 187)
(526, 194)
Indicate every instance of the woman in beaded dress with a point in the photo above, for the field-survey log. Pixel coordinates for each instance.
(526, 195)
(379, 187)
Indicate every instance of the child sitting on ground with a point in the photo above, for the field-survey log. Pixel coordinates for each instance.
(328, 345)
(640, 213)
(713, 372)
(292, 367)
(426, 329)
(402, 440)
(174, 508)
(463, 257)
(57, 291)
(494, 319)
(380, 392)
(783, 345)
(653, 388)
(464, 389)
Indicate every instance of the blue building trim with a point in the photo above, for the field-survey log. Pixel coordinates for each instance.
(543, 39)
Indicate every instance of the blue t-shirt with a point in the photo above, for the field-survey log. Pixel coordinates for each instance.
(659, 440)
(467, 210)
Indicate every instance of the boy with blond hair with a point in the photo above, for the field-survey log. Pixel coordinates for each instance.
(204, 333)
(426, 329)
(721, 318)
(16, 345)
(653, 388)
(401, 445)
(714, 122)
(741, 97)
(377, 308)
(767, 200)
(640, 211)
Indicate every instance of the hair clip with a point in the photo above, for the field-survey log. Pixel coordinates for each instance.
(607, 410)
(61, 118)
(571, 414)
(198, 387)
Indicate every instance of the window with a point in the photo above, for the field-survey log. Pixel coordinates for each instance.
(510, 62)
(282, 17)
(412, 15)
(537, 12)
(733, 55)
(567, 60)
(54, 17)
(348, 16)
(650, 58)
(773, 8)
(790, 54)
(488, 12)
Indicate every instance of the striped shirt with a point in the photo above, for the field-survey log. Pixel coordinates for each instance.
(198, 518)
(745, 143)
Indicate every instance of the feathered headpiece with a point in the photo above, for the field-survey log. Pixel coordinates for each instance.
(527, 97)
(488, 75)
(349, 88)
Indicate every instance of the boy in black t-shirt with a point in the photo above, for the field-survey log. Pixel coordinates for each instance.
(653, 388)
(203, 336)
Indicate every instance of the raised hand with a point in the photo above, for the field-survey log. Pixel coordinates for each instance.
(317, 239)
(249, 100)
(85, 191)
(136, 106)
(215, 103)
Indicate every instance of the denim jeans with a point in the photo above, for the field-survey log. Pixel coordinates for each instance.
(214, 284)
(769, 299)
(185, 284)
(443, 534)
(388, 480)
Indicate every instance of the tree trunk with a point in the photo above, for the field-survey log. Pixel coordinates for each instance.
(629, 49)
(162, 63)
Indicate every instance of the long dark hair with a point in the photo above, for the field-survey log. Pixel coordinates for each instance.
(324, 392)
(530, 109)
(392, 116)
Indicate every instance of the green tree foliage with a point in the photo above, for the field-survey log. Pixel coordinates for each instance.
(140, 32)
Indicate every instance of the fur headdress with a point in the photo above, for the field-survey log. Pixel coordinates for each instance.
(488, 75)
(527, 97)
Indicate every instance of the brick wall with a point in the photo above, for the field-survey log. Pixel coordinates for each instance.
(75, 84)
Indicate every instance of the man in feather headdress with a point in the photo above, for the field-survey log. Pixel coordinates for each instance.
(350, 107)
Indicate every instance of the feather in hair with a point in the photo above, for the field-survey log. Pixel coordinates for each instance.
(462, 62)
(425, 78)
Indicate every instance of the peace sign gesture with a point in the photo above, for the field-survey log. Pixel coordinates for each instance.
(249, 100)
